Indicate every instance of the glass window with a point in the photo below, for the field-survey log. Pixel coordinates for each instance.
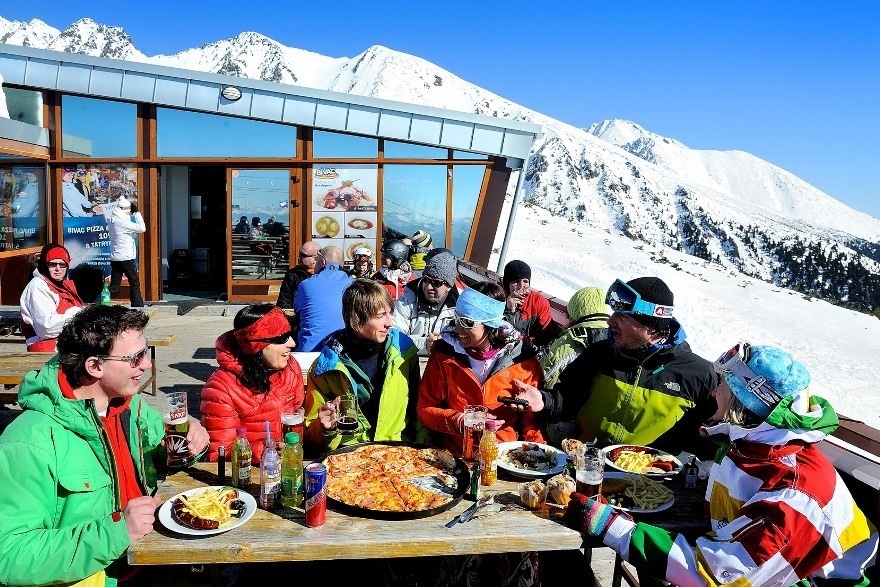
(98, 128)
(23, 207)
(183, 133)
(24, 105)
(260, 223)
(396, 150)
(414, 198)
(89, 195)
(467, 181)
(334, 145)
(468, 155)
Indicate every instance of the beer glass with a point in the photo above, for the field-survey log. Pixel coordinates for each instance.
(293, 420)
(348, 422)
(474, 422)
(589, 470)
(176, 416)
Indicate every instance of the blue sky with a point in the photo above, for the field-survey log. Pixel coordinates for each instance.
(794, 82)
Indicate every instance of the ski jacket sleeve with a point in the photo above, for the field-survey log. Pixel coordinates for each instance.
(39, 307)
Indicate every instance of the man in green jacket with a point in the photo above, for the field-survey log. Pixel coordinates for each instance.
(77, 467)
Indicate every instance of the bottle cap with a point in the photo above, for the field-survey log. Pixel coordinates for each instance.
(291, 438)
(241, 431)
(491, 425)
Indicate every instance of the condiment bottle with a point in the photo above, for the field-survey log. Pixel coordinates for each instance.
(292, 472)
(221, 465)
(489, 454)
(241, 459)
(474, 490)
(691, 472)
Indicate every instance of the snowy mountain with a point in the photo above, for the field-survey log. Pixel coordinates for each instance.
(729, 208)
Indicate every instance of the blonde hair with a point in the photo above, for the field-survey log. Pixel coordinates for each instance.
(362, 301)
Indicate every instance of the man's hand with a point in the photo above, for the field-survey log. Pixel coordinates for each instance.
(328, 414)
(197, 437)
(430, 340)
(498, 423)
(140, 515)
(530, 393)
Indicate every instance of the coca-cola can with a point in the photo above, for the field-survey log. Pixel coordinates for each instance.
(316, 495)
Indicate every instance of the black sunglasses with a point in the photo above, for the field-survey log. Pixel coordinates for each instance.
(435, 283)
(280, 339)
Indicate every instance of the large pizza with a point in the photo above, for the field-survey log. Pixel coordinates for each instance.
(394, 478)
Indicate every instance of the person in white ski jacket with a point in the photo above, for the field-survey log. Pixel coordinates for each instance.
(428, 304)
(49, 300)
(125, 222)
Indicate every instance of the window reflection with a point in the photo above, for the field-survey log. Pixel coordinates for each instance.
(467, 181)
(24, 105)
(397, 150)
(334, 145)
(22, 207)
(260, 223)
(98, 128)
(469, 155)
(182, 133)
(414, 198)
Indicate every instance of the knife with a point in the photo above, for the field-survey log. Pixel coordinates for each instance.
(469, 513)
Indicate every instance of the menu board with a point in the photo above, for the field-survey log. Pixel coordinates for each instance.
(344, 210)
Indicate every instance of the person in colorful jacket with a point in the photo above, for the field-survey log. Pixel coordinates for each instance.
(779, 512)
(49, 300)
(371, 361)
(475, 363)
(79, 464)
(256, 378)
(642, 385)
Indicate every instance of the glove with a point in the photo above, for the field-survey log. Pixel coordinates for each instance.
(589, 515)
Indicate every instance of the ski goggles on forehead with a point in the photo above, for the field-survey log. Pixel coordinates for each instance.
(735, 362)
(624, 299)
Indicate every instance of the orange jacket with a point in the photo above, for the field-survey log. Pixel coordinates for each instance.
(449, 384)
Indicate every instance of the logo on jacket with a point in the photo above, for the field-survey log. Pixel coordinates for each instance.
(673, 386)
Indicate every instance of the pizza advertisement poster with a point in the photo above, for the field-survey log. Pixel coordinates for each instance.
(353, 243)
(327, 224)
(344, 188)
(360, 225)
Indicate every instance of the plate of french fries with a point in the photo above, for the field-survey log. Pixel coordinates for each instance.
(636, 494)
(207, 510)
(644, 460)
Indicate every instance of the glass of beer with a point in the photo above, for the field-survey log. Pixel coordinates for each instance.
(348, 422)
(176, 416)
(474, 422)
(589, 470)
(293, 420)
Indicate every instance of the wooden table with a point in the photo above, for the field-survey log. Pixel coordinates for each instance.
(283, 535)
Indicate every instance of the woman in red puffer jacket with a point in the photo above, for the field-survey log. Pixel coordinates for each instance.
(256, 378)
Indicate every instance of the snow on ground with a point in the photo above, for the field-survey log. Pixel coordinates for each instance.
(717, 308)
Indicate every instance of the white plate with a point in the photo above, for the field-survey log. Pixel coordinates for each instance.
(526, 473)
(250, 508)
(676, 462)
(659, 508)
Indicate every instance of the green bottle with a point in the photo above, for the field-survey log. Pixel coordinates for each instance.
(105, 295)
(292, 472)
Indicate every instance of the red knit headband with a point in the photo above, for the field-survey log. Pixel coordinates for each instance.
(58, 253)
(252, 339)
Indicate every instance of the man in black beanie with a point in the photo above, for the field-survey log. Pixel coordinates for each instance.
(527, 310)
(643, 385)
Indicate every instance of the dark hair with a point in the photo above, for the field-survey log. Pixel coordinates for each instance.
(255, 221)
(362, 300)
(498, 338)
(93, 332)
(253, 372)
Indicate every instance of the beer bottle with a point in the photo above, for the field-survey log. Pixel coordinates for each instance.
(489, 454)
(292, 472)
(270, 477)
(105, 295)
(241, 459)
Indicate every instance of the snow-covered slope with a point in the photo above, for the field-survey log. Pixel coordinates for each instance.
(726, 207)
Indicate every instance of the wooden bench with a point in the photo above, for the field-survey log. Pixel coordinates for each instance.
(14, 366)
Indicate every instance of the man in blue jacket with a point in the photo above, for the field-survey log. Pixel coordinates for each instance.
(318, 301)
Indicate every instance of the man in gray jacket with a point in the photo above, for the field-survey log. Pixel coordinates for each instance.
(428, 304)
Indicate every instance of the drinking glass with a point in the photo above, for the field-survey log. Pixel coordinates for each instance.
(589, 470)
(176, 416)
(348, 422)
(292, 420)
(474, 422)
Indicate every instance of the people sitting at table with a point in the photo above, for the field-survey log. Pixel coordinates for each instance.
(318, 303)
(49, 299)
(779, 513)
(257, 238)
(79, 465)
(428, 304)
(474, 363)
(527, 309)
(256, 378)
(368, 360)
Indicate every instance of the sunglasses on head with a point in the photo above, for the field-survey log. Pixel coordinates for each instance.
(57, 264)
(133, 360)
(624, 299)
(280, 339)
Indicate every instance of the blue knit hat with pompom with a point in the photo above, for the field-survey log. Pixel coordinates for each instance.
(774, 367)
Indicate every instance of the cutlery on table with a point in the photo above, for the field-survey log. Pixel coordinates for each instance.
(469, 513)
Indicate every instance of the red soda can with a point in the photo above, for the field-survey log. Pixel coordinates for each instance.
(316, 495)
